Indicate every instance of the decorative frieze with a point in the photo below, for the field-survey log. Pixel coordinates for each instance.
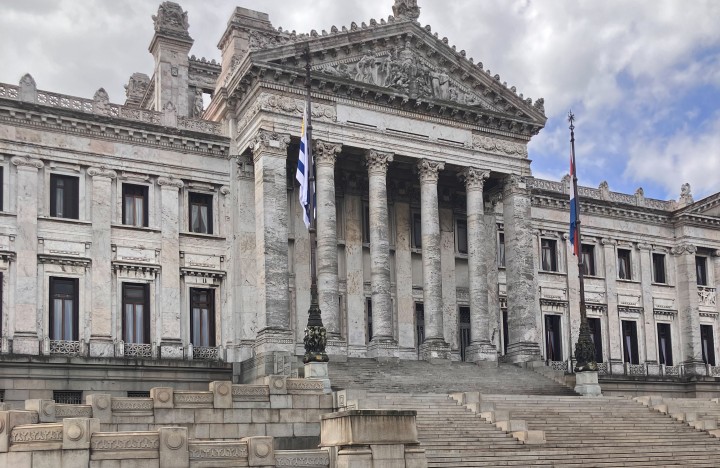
(73, 411)
(102, 171)
(133, 441)
(304, 385)
(24, 161)
(131, 405)
(192, 399)
(47, 433)
(65, 348)
(495, 145)
(170, 182)
(251, 393)
(218, 450)
(684, 249)
(304, 458)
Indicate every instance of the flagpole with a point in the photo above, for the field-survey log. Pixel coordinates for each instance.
(584, 349)
(315, 333)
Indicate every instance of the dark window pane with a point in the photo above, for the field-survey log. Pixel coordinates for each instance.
(464, 332)
(659, 268)
(624, 265)
(202, 317)
(664, 344)
(549, 255)
(501, 249)
(701, 268)
(136, 313)
(369, 319)
(416, 231)
(419, 323)
(707, 341)
(63, 309)
(2, 182)
(630, 344)
(596, 337)
(63, 196)
(462, 239)
(201, 213)
(553, 338)
(135, 205)
(588, 259)
(366, 225)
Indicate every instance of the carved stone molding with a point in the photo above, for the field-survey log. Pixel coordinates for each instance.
(268, 141)
(642, 246)
(24, 161)
(170, 182)
(608, 241)
(325, 152)
(514, 184)
(474, 178)
(684, 249)
(102, 171)
(377, 162)
(406, 9)
(495, 145)
(245, 168)
(716, 253)
(171, 20)
(429, 170)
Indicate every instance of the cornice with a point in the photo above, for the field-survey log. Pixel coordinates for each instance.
(107, 128)
(600, 208)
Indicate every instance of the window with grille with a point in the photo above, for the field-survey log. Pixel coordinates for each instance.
(138, 394)
(67, 397)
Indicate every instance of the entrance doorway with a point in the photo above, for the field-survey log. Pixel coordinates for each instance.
(464, 324)
(553, 338)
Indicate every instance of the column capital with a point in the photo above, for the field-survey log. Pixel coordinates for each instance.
(684, 249)
(474, 178)
(377, 161)
(716, 253)
(24, 161)
(325, 152)
(514, 183)
(642, 246)
(101, 171)
(429, 170)
(170, 182)
(267, 140)
(493, 200)
(608, 241)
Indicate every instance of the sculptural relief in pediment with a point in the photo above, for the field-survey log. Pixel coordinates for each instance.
(405, 72)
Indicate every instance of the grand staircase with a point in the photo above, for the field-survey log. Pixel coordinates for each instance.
(579, 431)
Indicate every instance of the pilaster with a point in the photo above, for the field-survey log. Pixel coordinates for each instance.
(101, 340)
(403, 277)
(25, 337)
(645, 251)
(615, 352)
(480, 241)
(382, 344)
(688, 308)
(434, 347)
(169, 281)
(325, 154)
(271, 241)
(356, 327)
(522, 288)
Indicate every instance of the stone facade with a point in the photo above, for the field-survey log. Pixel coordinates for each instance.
(435, 240)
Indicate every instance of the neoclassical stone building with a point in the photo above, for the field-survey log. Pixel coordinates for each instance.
(163, 233)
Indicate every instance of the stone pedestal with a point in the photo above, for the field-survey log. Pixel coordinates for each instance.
(435, 351)
(383, 350)
(318, 371)
(476, 352)
(586, 384)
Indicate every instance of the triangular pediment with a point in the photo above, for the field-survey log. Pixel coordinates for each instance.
(396, 63)
(708, 206)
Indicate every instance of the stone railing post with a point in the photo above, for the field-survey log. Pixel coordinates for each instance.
(260, 451)
(222, 394)
(174, 451)
(44, 408)
(162, 397)
(101, 404)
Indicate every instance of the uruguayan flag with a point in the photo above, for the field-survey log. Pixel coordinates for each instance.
(302, 173)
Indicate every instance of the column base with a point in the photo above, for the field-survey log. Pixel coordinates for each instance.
(586, 383)
(26, 344)
(435, 351)
(101, 346)
(524, 351)
(318, 371)
(479, 351)
(274, 339)
(383, 350)
(693, 367)
(336, 349)
(171, 349)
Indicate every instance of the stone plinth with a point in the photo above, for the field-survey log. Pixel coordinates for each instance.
(586, 384)
(366, 427)
(318, 371)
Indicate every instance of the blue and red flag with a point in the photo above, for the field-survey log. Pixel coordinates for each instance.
(573, 209)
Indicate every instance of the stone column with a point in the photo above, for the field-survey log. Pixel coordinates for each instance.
(383, 344)
(688, 309)
(170, 339)
(271, 240)
(101, 339)
(325, 154)
(25, 315)
(354, 268)
(481, 323)
(523, 334)
(434, 347)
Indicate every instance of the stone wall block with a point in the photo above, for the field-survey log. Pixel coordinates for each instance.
(415, 457)
(260, 451)
(73, 458)
(10, 419)
(222, 394)
(354, 457)
(162, 397)
(277, 384)
(101, 407)
(47, 459)
(174, 447)
(77, 432)
(44, 408)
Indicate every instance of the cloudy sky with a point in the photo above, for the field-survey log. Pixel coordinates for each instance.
(642, 77)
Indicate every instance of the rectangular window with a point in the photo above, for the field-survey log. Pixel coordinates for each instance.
(136, 313)
(588, 259)
(419, 324)
(366, 224)
(135, 205)
(664, 344)
(506, 338)
(464, 324)
(63, 196)
(202, 317)
(63, 309)
(624, 265)
(553, 338)
(2, 184)
(461, 236)
(416, 231)
(707, 341)
(596, 337)
(201, 216)
(701, 271)
(501, 249)
(66, 397)
(630, 343)
(549, 255)
(659, 268)
(368, 305)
